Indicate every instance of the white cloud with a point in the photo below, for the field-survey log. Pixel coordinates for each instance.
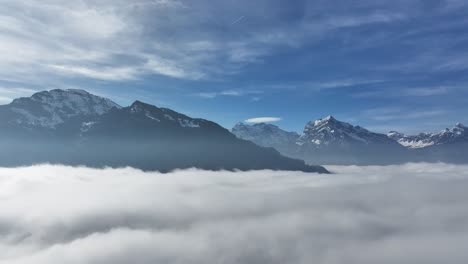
(414, 213)
(426, 91)
(399, 113)
(8, 94)
(110, 74)
(265, 119)
(233, 93)
(104, 41)
(137, 35)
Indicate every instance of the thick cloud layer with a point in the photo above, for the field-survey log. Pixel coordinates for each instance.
(414, 213)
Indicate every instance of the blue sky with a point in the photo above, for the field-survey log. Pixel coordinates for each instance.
(381, 64)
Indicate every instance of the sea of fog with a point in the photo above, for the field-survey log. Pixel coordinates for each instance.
(413, 213)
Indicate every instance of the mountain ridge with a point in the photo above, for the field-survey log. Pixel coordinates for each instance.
(78, 128)
(48, 109)
(458, 133)
(330, 141)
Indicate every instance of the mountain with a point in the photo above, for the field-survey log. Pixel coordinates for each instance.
(50, 108)
(457, 134)
(449, 145)
(333, 142)
(268, 135)
(329, 131)
(327, 141)
(74, 127)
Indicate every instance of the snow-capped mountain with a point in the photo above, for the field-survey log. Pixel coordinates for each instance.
(74, 127)
(267, 135)
(162, 115)
(330, 141)
(335, 142)
(329, 131)
(142, 120)
(48, 109)
(457, 134)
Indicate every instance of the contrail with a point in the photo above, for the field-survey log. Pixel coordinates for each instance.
(237, 20)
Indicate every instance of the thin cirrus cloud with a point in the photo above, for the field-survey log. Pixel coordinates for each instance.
(398, 113)
(229, 93)
(412, 213)
(88, 38)
(85, 39)
(266, 119)
(8, 94)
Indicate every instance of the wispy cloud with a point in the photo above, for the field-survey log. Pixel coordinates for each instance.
(426, 91)
(97, 39)
(266, 119)
(400, 113)
(237, 20)
(343, 83)
(405, 91)
(231, 93)
(7, 94)
(103, 73)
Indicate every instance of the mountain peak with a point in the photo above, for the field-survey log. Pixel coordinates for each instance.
(265, 125)
(50, 108)
(266, 135)
(326, 120)
(329, 130)
(460, 125)
(60, 92)
(138, 102)
(139, 107)
(423, 140)
(260, 126)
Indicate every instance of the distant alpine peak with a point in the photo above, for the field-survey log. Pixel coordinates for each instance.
(395, 134)
(266, 135)
(329, 123)
(329, 130)
(258, 125)
(460, 125)
(50, 108)
(327, 119)
(459, 133)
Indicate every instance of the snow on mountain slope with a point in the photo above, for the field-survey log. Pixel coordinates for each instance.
(164, 115)
(328, 131)
(457, 134)
(76, 128)
(267, 135)
(49, 108)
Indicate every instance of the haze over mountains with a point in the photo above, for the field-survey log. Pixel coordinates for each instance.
(329, 141)
(74, 127)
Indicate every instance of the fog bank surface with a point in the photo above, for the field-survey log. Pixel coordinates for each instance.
(414, 213)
